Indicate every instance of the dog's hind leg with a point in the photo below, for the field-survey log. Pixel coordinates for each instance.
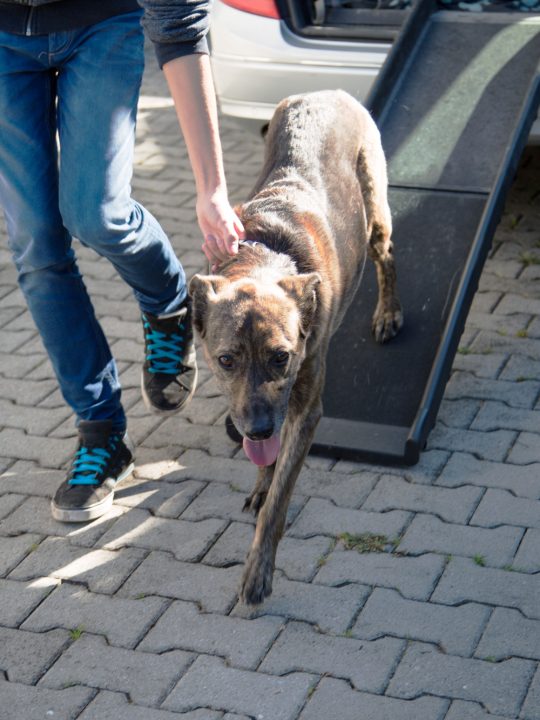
(254, 502)
(388, 315)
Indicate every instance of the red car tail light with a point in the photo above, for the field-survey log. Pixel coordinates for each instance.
(267, 8)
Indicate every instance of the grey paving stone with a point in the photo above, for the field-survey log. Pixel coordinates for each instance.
(465, 385)
(241, 642)
(27, 478)
(115, 706)
(487, 342)
(493, 416)
(47, 451)
(367, 665)
(500, 687)
(424, 472)
(7, 314)
(521, 368)
(427, 533)
(176, 432)
(533, 330)
(298, 559)
(348, 490)
(205, 410)
(458, 413)
(487, 446)
(43, 371)
(103, 571)
(115, 327)
(35, 703)
(318, 462)
(482, 366)
(526, 449)
(19, 598)
(147, 678)
(503, 324)
(32, 420)
(500, 507)
(34, 515)
(455, 629)
(18, 342)
(393, 493)
(509, 634)
(210, 683)
(186, 540)
(528, 555)
(24, 392)
(513, 303)
(123, 622)
(161, 498)
(241, 474)
(25, 656)
(14, 549)
(54, 400)
(8, 503)
(154, 465)
(333, 694)
(219, 500)
(531, 706)
(160, 574)
(321, 517)
(463, 581)
(464, 469)
(330, 608)
(463, 710)
(414, 577)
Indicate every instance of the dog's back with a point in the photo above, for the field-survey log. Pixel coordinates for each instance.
(317, 148)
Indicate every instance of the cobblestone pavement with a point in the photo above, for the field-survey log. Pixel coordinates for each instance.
(135, 617)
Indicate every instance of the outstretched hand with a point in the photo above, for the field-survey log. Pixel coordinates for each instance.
(220, 226)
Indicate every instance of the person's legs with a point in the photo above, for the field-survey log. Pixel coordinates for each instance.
(98, 89)
(41, 245)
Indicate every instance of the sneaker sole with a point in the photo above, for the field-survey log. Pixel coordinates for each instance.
(93, 512)
(164, 413)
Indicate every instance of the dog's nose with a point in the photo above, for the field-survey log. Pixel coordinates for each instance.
(260, 434)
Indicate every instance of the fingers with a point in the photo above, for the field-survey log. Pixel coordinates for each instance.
(221, 227)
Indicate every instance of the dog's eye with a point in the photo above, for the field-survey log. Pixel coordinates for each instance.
(281, 358)
(226, 361)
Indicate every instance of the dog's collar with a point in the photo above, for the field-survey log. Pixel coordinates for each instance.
(250, 243)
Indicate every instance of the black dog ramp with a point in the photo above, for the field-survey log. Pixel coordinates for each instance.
(454, 102)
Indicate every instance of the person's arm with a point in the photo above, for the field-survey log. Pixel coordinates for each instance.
(190, 82)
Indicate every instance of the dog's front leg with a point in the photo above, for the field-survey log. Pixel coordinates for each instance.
(254, 502)
(297, 437)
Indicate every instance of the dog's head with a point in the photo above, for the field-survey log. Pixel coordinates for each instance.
(254, 334)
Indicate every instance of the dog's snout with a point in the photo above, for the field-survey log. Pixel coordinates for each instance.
(260, 433)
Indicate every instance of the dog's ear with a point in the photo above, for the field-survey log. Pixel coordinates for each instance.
(303, 289)
(202, 288)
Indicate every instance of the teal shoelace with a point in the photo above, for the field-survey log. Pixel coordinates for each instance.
(164, 351)
(89, 463)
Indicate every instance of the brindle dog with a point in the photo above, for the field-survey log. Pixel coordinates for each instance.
(266, 318)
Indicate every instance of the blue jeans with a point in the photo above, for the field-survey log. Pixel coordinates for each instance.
(83, 86)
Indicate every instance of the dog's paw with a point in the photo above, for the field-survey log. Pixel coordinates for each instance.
(386, 323)
(254, 502)
(257, 578)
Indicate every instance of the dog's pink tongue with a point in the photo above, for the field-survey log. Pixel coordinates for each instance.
(262, 452)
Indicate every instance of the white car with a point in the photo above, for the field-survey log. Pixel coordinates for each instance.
(265, 50)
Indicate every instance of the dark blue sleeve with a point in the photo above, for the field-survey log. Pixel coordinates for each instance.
(176, 27)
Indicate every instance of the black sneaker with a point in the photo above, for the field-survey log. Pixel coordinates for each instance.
(169, 375)
(102, 460)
